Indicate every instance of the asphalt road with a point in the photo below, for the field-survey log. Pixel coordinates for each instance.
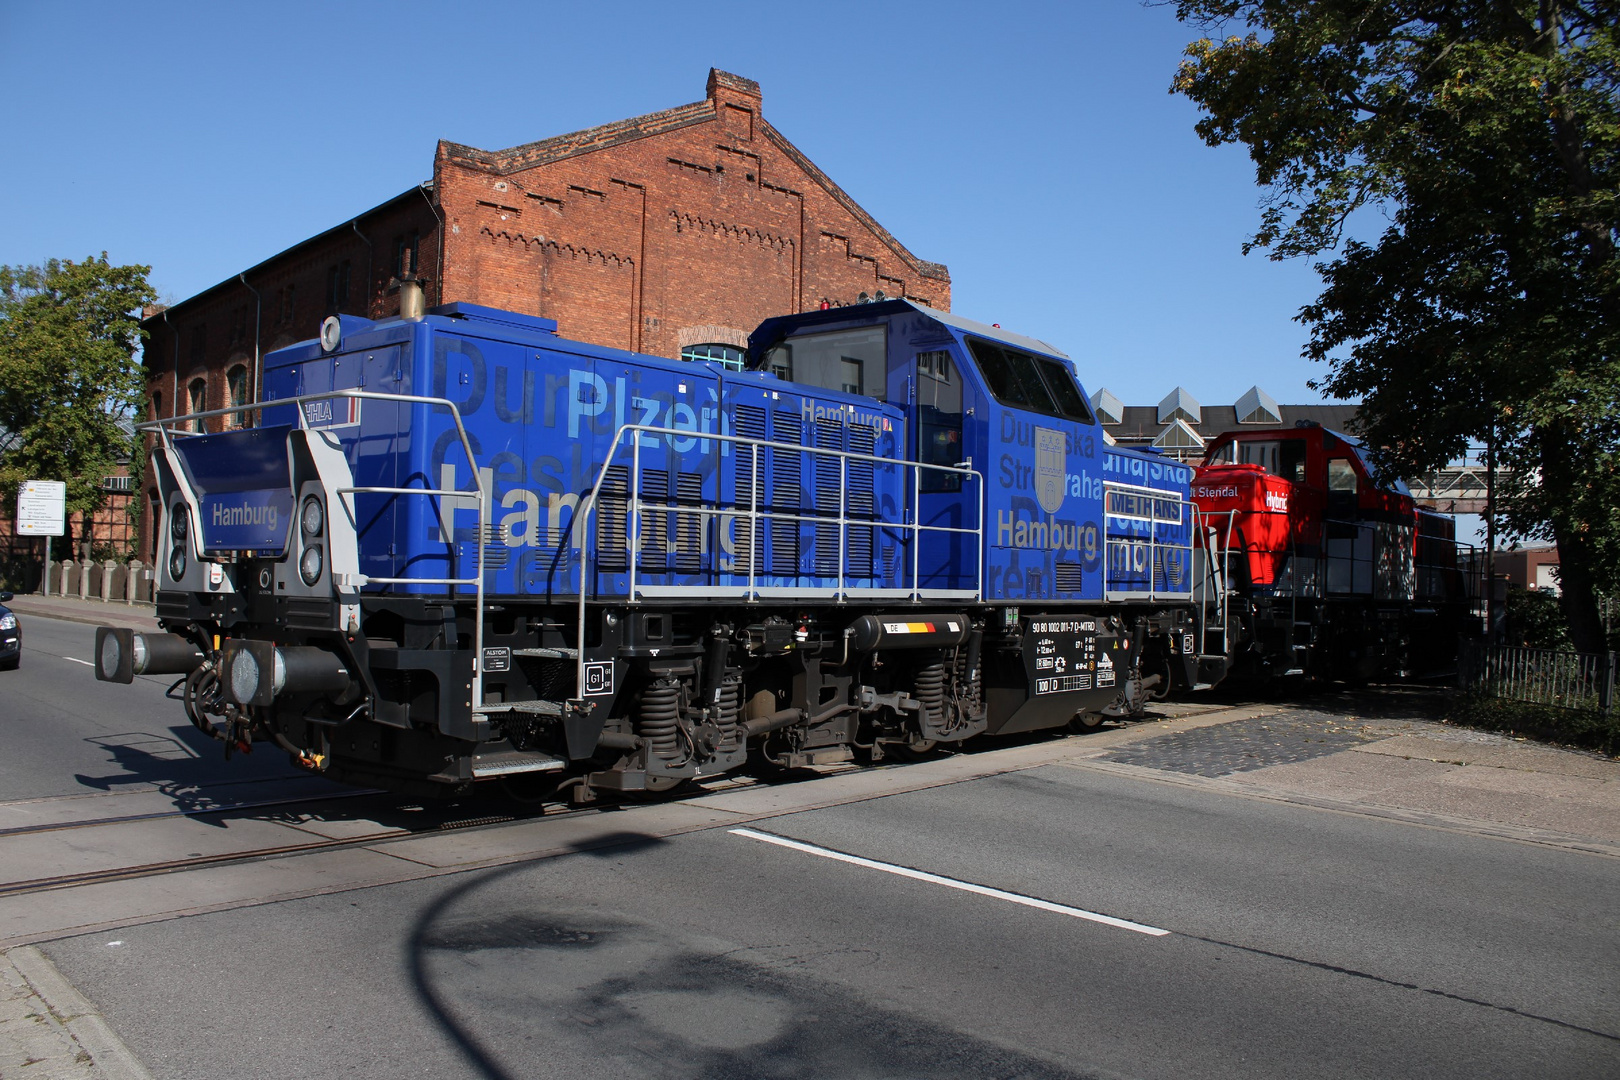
(63, 733)
(1297, 943)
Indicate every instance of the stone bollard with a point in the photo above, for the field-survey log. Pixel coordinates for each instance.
(132, 580)
(85, 572)
(67, 575)
(109, 570)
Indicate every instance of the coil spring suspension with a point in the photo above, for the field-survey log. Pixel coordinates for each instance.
(930, 692)
(727, 711)
(659, 722)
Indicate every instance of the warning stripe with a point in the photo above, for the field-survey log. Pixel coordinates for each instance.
(909, 628)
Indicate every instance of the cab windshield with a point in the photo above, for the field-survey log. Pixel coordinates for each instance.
(1279, 457)
(1027, 381)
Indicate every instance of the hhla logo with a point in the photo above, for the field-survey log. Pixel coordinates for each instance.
(1278, 501)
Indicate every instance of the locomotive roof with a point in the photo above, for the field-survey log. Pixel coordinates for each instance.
(770, 329)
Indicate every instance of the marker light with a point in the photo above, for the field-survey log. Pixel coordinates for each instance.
(309, 566)
(314, 516)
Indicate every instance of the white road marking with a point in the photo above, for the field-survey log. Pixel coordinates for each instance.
(952, 883)
(76, 660)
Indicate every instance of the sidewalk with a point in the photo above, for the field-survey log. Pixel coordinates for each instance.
(1330, 755)
(137, 616)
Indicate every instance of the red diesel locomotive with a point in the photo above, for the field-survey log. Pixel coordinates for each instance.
(1328, 572)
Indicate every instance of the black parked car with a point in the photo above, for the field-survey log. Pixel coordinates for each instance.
(10, 636)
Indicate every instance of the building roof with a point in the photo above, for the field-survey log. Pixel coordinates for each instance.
(420, 191)
(1140, 423)
(1258, 407)
(1109, 409)
(1179, 403)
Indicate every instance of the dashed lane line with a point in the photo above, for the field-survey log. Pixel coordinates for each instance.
(953, 883)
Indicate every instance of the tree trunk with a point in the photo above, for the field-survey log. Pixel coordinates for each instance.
(1578, 595)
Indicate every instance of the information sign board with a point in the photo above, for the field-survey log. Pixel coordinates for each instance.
(41, 508)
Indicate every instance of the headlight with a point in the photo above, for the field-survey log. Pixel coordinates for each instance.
(177, 562)
(8, 621)
(314, 516)
(178, 524)
(309, 567)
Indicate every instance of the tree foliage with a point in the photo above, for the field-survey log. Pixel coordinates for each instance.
(68, 335)
(1487, 135)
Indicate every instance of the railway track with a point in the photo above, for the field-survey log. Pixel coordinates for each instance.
(434, 820)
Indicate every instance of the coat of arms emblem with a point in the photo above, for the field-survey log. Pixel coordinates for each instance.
(1051, 469)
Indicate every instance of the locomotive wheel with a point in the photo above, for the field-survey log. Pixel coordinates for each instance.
(915, 748)
(1084, 722)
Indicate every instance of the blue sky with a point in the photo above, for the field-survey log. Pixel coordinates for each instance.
(1031, 147)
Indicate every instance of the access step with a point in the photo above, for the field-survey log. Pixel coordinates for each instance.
(548, 654)
(508, 762)
(533, 708)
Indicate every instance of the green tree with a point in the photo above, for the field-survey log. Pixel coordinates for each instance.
(1479, 140)
(68, 336)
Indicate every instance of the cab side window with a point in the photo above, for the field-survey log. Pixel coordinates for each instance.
(1341, 476)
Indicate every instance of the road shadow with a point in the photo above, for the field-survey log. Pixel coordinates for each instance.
(559, 982)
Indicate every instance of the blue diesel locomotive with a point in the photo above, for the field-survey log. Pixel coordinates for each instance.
(458, 546)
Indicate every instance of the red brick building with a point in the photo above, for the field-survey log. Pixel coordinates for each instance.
(676, 231)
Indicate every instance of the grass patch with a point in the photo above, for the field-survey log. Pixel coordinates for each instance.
(1587, 729)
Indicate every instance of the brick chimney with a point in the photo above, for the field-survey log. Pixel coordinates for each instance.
(736, 102)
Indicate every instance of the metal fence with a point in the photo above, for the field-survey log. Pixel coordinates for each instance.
(1564, 680)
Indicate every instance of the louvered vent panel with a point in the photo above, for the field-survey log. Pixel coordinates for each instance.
(1070, 577)
(829, 435)
(862, 474)
(859, 558)
(750, 421)
(690, 529)
(612, 519)
(654, 497)
(787, 494)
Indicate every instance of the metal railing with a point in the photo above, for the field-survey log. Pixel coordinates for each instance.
(1565, 680)
(1156, 499)
(756, 517)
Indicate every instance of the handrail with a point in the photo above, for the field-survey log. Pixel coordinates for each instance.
(589, 502)
(1155, 496)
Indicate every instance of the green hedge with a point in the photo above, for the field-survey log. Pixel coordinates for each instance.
(1584, 728)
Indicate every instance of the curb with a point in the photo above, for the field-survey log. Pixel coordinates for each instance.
(80, 1020)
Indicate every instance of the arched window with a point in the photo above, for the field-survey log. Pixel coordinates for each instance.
(236, 381)
(728, 356)
(199, 401)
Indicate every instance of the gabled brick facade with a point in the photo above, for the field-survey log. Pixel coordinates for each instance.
(682, 227)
